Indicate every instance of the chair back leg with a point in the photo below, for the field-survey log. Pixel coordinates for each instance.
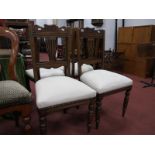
(126, 100)
(26, 117)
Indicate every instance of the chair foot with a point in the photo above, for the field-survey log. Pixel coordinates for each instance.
(126, 100)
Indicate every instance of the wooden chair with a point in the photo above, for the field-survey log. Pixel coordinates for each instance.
(13, 96)
(43, 71)
(57, 92)
(90, 49)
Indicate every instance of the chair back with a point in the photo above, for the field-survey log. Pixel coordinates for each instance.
(90, 47)
(12, 36)
(51, 37)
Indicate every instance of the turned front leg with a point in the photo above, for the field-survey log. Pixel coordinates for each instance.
(90, 114)
(43, 121)
(26, 117)
(98, 110)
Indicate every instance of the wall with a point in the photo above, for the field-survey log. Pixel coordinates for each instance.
(61, 22)
(41, 22)
(109, 27)
(138, 22)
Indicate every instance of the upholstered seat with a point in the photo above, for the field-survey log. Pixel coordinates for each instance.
(57, 90)
(11, 92)
(44, 72)
(104, 81)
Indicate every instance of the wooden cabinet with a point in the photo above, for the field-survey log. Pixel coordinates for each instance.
(138, 45)
(125, 35)
(141, 67)
(129, 50)
(144, 34)
(137, 34)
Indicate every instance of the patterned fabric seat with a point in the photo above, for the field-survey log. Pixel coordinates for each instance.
(11, 92)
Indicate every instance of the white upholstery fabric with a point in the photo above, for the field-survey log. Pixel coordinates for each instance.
(44, 72)
(105, 81)
(85, 68)
(61, 89)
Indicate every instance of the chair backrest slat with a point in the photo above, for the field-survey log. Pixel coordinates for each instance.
(52, 37)
(90, 46)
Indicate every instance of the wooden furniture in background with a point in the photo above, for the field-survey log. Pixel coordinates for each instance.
(21, 28)
(97, 22)
(75, 23)
(137, 43)
(13, 96)
(150, 84)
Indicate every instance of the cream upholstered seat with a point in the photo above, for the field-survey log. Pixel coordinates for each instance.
(104, 81)
(57, 90)
(44, 72)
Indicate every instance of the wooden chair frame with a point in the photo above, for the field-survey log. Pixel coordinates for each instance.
(24, 108)
(91, 36)
(53, 32)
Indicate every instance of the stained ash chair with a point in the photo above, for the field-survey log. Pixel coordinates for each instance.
(44, 72)
(57, 92)
(90, 50)
(14, 98)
